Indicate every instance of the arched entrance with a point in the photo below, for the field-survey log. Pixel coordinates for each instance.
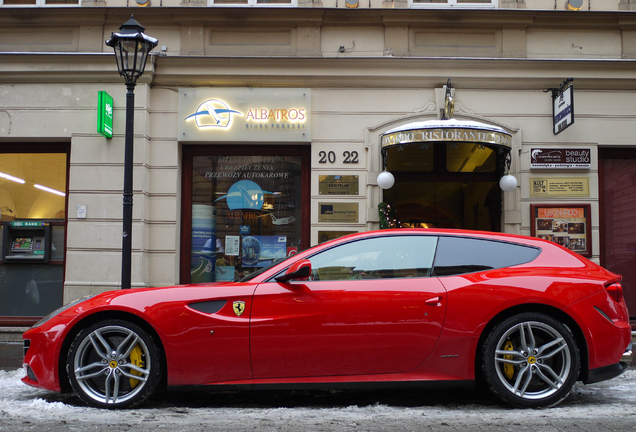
(446, 174)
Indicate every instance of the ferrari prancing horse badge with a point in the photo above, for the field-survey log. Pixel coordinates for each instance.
(239, 307)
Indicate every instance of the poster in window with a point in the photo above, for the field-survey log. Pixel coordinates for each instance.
(261, 251)
(566, 225)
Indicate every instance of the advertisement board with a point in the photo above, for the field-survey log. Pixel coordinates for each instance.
(567, 225)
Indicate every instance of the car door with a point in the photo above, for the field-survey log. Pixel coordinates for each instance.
(370, 307)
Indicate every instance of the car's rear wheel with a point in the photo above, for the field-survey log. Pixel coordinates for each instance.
(114, 364)
(530, 360)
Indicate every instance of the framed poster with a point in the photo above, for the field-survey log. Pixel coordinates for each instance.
(568, 225)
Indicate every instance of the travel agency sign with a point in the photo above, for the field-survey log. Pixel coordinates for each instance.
(244, 115)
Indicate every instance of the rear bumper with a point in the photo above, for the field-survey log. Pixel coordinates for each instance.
(611, 371)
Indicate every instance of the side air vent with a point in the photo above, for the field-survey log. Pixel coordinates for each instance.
(209, 307)
(604, 314)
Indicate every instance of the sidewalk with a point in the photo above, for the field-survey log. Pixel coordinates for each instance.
(10, 356)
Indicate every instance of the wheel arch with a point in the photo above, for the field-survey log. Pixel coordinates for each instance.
(92, 319)
(537, 308)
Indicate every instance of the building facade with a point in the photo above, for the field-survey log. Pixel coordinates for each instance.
(261, 129)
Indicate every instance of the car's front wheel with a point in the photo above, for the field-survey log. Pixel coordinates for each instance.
(531, 360)
(114, 364)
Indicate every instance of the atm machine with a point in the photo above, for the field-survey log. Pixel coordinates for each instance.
(31, 283)
(26, 242)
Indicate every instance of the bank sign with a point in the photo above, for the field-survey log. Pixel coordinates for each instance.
(244, 115)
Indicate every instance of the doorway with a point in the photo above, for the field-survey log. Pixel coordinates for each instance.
(617, 177)
(445, 185)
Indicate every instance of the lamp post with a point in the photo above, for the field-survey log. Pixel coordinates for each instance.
(131, 47)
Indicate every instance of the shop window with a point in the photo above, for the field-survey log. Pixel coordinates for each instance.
(245, 213)
(32, 186)
(32, 191)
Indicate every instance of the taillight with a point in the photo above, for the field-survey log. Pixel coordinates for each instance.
(615, 290)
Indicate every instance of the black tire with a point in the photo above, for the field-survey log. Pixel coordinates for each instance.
(530, 360)
(114, 364)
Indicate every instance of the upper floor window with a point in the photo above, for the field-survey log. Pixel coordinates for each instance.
(40, 2)
(453, 3)
(263, 3)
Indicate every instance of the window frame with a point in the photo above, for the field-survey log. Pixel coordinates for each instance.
(434, 273)
(250, 3)
(41, 3)
(357, 240)
(453, 4)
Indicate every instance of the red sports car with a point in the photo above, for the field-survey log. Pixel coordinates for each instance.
(525, 316)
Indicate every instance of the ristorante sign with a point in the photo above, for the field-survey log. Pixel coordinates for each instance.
(447, 131)
(244, 114)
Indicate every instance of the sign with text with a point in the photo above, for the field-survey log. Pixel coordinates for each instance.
(554, 158)
(338, 185)
(244, 114)
(337, 212)
(563, 110)
(562, 187)
(567, 225)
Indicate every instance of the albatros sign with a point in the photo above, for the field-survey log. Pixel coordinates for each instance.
(244, 114)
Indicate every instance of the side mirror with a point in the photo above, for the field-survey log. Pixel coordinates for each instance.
(300, 270)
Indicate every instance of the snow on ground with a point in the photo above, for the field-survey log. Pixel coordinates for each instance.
(20, 403)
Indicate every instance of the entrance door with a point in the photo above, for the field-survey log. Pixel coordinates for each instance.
(446, 185)
(617, 173)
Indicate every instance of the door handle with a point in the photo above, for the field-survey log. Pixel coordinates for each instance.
(434, 301)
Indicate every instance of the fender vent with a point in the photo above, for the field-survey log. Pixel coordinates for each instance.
(208, 307)
(604, 314)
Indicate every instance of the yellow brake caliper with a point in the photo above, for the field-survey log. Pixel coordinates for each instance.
(509, 369)
(136, 359)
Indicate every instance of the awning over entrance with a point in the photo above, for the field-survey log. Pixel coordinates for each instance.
(451, 130)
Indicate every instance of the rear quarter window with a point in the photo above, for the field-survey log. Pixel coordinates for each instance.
(459, 255)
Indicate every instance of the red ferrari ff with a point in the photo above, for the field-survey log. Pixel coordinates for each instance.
(524, 316)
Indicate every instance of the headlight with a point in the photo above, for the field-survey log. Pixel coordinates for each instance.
(62, 309)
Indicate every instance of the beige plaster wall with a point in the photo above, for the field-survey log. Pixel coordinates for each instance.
(356, 96)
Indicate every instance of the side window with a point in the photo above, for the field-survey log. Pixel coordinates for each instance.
(458, 255)
(377, 258)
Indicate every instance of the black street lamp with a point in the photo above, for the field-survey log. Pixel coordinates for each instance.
(131, 47)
